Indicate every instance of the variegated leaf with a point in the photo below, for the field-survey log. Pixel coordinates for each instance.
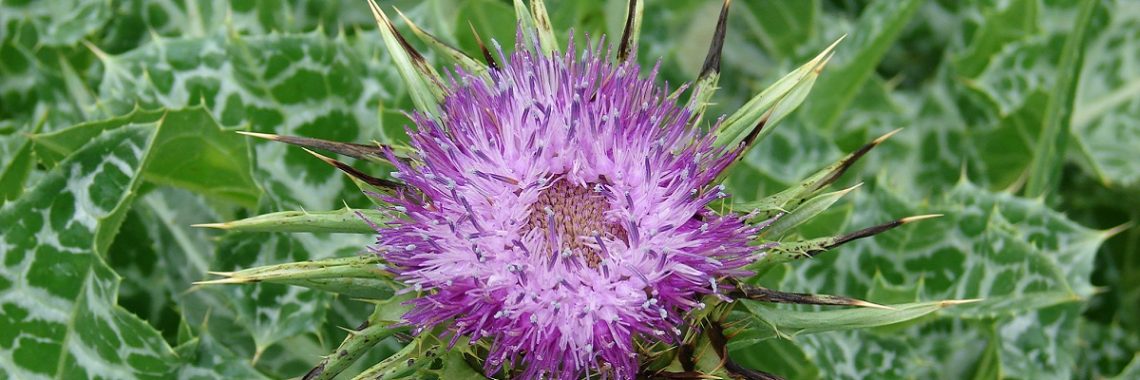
(60, 318)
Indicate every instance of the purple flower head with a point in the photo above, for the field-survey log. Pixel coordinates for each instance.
(559, 214)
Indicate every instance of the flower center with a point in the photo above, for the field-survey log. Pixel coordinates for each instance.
(571, 217)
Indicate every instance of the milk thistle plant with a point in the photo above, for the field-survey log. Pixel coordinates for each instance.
(559, 214)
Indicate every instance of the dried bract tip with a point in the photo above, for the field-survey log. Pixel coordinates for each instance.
(487, 57)
(762, 294)
(360, 151)
(841, 167)
(357, 174)
(716, 47)
(630, 33)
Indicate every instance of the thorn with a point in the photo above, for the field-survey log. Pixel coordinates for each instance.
(487, 57)
(223, 281)
(628, 47)
(1118, 229)
(428, 37)
(871, 305)
(266, 136)
(357, 174)
(851, 158)
(220, 273)
(415, 28)
(886, 136)
(220, 226)
(382, 17)
(875, 230)
(373, 151)
(850, 189)
(963, 174)
(824, 56)
(327, 160)
(712, 60)
(916, 218)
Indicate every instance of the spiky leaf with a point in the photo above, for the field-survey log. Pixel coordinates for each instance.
(62, 320)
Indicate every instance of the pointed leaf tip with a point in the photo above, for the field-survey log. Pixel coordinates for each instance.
(387, 23)
(456, 55)
(357, 175)
(423, 82)
(809, 248)
(716, 47)
(706, 84)
(850, 189)
(631, 33)
(753, 121)
(886, 136)
(488, 58)
(415, 28)
(223, 281)
(1118, 229)
(374, 153)
(266, 136)
(872, 231)
(871, 305)
(327, 160)
(916, 218)
(838, 169)
(829, 51)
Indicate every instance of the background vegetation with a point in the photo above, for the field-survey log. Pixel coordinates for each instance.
(1021, 120)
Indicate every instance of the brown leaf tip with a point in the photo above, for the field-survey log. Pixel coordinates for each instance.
(712, 60)
(627, 48)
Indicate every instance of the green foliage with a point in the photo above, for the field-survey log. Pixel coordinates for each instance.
(1105, 116)
(60, 316)
(117, 121)
(191, 152)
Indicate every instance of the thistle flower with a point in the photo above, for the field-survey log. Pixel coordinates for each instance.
(563, 213)
(560, 210)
